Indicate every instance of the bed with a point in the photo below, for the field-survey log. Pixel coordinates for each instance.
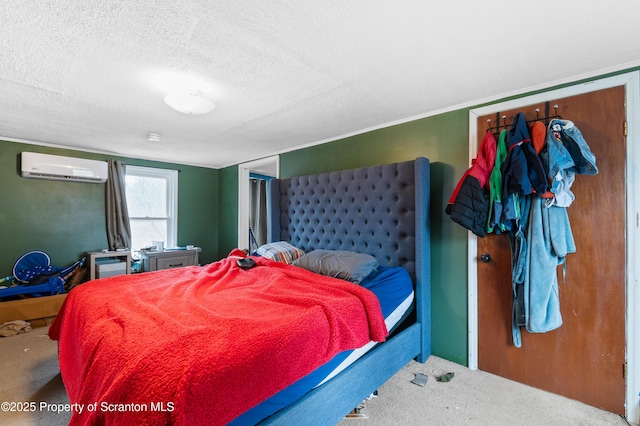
(381, 211)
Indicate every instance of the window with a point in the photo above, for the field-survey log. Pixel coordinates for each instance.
(152, 200)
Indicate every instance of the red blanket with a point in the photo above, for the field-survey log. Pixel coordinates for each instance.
(201, 345)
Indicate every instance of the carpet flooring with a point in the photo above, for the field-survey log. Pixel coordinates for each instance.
(29, 374)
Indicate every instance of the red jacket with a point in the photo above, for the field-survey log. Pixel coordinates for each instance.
(469, 202)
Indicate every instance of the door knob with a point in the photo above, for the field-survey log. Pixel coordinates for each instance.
(485, 257)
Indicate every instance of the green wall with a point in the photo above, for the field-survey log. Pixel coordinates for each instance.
(444, 139)
(228, 225)
(67, 219)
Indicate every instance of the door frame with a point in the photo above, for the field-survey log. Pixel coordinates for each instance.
(268, 166)
(631, 82)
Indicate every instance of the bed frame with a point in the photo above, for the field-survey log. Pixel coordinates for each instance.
(381, 211)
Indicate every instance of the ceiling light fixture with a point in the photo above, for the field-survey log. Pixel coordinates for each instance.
(153, 137)
(189, 103)
(182, 82)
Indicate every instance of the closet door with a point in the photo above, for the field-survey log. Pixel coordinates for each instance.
(583, 359)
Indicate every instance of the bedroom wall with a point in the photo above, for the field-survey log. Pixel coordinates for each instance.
(66, 219)
(444, 140)
(228, 210)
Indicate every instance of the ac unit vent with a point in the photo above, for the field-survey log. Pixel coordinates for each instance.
(56, 167)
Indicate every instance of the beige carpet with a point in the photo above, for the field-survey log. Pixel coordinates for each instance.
(29, 373)
(474, 398)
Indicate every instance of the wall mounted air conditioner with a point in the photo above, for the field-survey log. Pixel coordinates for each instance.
(56, 167)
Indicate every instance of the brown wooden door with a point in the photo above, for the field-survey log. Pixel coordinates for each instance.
(584, 358)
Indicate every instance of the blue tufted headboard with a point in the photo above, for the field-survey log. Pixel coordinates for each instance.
(378, 210)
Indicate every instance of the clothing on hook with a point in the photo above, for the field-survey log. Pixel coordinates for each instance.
(469, 203)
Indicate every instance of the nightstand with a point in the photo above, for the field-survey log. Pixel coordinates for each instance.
(121, 256)
(167, 259)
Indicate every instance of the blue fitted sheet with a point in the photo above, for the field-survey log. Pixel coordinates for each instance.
(394, 289)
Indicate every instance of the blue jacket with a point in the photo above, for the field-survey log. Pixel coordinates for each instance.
(522, 171)
(566, 155)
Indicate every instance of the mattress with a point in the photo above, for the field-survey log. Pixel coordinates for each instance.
(394, 289)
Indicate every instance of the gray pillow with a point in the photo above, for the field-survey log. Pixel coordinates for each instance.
(347, 265)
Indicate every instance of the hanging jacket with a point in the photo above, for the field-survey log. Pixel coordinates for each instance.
(495, 188)
(522, 171)
(469, 203)
(584, 160)
(566, 154)
(539, 141)
(519, 266)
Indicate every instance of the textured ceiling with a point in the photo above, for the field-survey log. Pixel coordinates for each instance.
(283, 74)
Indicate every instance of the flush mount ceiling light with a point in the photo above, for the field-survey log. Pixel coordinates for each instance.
(189, 103)
(185, 92)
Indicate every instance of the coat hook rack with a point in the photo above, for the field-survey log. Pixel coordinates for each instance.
(497, 125)
(555, 113)
(546, 118)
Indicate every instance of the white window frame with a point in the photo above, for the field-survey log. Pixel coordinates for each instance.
(171, 176)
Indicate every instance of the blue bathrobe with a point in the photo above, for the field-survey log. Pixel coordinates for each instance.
(547, 238)
(548, 241)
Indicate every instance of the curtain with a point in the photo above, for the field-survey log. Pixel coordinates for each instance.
(258, 211)
(118, 228)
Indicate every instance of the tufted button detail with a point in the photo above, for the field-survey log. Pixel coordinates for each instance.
(367, 210)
